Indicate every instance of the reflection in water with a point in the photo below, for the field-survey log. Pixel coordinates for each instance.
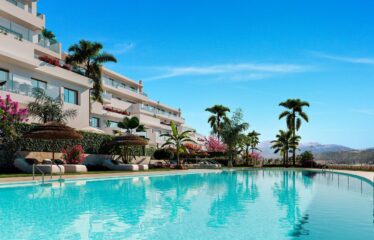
(263, 204)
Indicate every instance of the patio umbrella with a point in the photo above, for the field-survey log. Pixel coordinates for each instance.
(126, 141)
(53, 131)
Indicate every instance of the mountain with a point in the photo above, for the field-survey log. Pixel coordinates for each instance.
(314, 147)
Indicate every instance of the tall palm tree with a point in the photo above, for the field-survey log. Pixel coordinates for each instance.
(88, 55)
(217, 118)
(177, 139)
(254, 140)
(284, 142)
(294, 116)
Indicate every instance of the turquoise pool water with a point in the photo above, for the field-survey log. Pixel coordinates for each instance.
(235, 205)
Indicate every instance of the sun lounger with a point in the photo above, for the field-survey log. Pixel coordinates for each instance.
(117, 166)
(26, 165)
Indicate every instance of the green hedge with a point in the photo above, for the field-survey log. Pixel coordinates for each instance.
(92, 143)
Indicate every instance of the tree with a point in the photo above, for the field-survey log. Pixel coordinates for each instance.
(131, 125)
(254, 140)
(250, 141)
(10, 117)
(284, 142)
(307, 159)
(88, 55)
(212, 144)
(294, 116)
(217, 117)
(231, 133)
(46, 109)
(177, 140)
(49, 35)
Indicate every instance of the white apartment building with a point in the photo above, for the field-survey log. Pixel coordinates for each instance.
(28, 61)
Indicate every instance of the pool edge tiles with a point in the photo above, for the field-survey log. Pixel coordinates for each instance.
(97, 177)
(28, 181)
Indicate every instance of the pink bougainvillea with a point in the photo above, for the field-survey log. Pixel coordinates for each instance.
(73, 155)
(11, 112)
(10, 116)
(213, 144)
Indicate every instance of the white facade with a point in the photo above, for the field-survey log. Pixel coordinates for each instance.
(24, 54)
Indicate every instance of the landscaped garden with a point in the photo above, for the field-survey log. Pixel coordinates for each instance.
(230, 144)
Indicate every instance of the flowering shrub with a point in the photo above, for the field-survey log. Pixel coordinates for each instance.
(10, 117)
(213, 144)
(74, 155)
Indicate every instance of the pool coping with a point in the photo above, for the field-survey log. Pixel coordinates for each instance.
(99, 176)
(367, 176)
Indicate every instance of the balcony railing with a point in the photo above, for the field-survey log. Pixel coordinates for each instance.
(23, 86)
(17, 3)
(158, 111)
(22, 33)
(118, 85)
(107, 97)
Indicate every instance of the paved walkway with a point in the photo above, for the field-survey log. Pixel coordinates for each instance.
(103, 175)
(367, 175)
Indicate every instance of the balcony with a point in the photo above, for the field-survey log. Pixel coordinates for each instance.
(21, 33)
(159, 111)
(118, 85)
(107, 97)
(18, 4)
(23, 86)
(22, 13)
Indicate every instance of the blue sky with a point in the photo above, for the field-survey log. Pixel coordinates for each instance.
(242, 54)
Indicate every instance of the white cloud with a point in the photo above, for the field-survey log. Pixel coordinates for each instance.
(234, 72)
(121, 48)
(348, 59)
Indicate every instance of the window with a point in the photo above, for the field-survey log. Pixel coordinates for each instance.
(4, 75)
(38, 84)
(70, 96)
(95, 122)
(112, 124)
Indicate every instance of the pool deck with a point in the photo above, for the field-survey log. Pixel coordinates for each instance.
(367, 175)
(102, 175)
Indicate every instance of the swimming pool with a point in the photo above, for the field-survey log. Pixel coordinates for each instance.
(261, 204)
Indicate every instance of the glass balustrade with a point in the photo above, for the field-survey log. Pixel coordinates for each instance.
(119, 85)
(23, 86)
(22, 33)
(158, 111)
(17, 3)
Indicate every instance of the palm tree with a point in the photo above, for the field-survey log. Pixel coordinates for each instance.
(48, 35)
(217, 117)
(294, 116)
(177, 140)
(284, 142)
(245, 145)
(131, 124)
(47, 109)
(88, 55)
(254, 140)
(231, 131)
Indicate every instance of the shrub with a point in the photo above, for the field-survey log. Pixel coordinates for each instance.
(307, 159)
(73, 155)
(163, 154)
(92, 143)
